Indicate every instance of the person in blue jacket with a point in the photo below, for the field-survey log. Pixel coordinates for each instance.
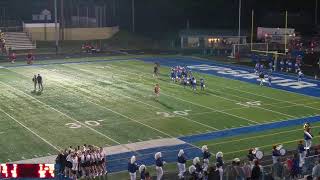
(181, 164)
(132, 168)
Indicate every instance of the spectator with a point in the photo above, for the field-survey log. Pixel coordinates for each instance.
(230, 171)
(247, 170)
(302, 153)
(287, 169)
(59, 163)
(275, 154)
(316, 171)
(132, 168)
(213, 173)
(316, 67)
(256, 171)
(238, 169)
(295, 169)
(277, 170)
(251, 157)
(147, 176)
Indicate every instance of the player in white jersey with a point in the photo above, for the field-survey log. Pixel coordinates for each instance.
(82, 164)
(68, 165)
(88, 164)
(75, 165)
(103, 161)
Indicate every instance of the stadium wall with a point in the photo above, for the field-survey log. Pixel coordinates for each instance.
(46, 32)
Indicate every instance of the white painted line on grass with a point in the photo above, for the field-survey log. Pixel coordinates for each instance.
(83, 124)
(30, 130)
(135, 99)
(200, 105)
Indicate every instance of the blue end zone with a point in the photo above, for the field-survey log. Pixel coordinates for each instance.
(188, 61)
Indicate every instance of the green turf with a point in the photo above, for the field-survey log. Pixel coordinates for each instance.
(110, 103)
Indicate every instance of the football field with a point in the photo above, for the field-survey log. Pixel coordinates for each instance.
(111, 102)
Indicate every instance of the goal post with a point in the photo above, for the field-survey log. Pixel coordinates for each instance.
(244, 50)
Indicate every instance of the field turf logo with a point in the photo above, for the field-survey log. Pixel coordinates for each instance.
(292, 83)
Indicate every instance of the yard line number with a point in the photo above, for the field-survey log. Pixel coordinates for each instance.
(77, 125)
(250, 103)
(174, 113)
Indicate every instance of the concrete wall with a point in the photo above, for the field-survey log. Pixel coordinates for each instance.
(46, 32)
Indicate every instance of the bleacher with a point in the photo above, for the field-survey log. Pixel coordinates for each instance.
(18, 41)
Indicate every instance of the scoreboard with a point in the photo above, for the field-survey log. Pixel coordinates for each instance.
(26, 171)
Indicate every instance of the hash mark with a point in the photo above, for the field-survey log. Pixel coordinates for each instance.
(9, 160)
(139, 140)
(159, 137)
(49, 154)
(35, 156)
(100, 120)
(23, 157)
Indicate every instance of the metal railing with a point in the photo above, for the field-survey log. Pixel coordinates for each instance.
(11, 29)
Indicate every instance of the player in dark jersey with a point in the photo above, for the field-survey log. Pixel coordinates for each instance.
(156, 70)
(261, 76)
(39, 81)
(202, 85)
(34, 80)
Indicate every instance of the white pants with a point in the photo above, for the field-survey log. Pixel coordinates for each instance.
(205, 164)
(302, 157)
(182, 169)
(220, 173)
(308, 144)
(159, 171)
(275, 159)
(133, 176)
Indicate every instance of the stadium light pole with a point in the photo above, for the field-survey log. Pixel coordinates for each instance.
(316, 13)
(56, 25)
(133, 16)
(239, 30)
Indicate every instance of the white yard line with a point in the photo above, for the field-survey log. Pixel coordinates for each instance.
(30, 130)
(150, 105)
(247, 92)
(231, 94)
(298, 105)
(199, 105)
(115, 112)
(56, 110)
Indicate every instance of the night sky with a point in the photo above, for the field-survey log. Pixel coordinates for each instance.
(172, 15)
